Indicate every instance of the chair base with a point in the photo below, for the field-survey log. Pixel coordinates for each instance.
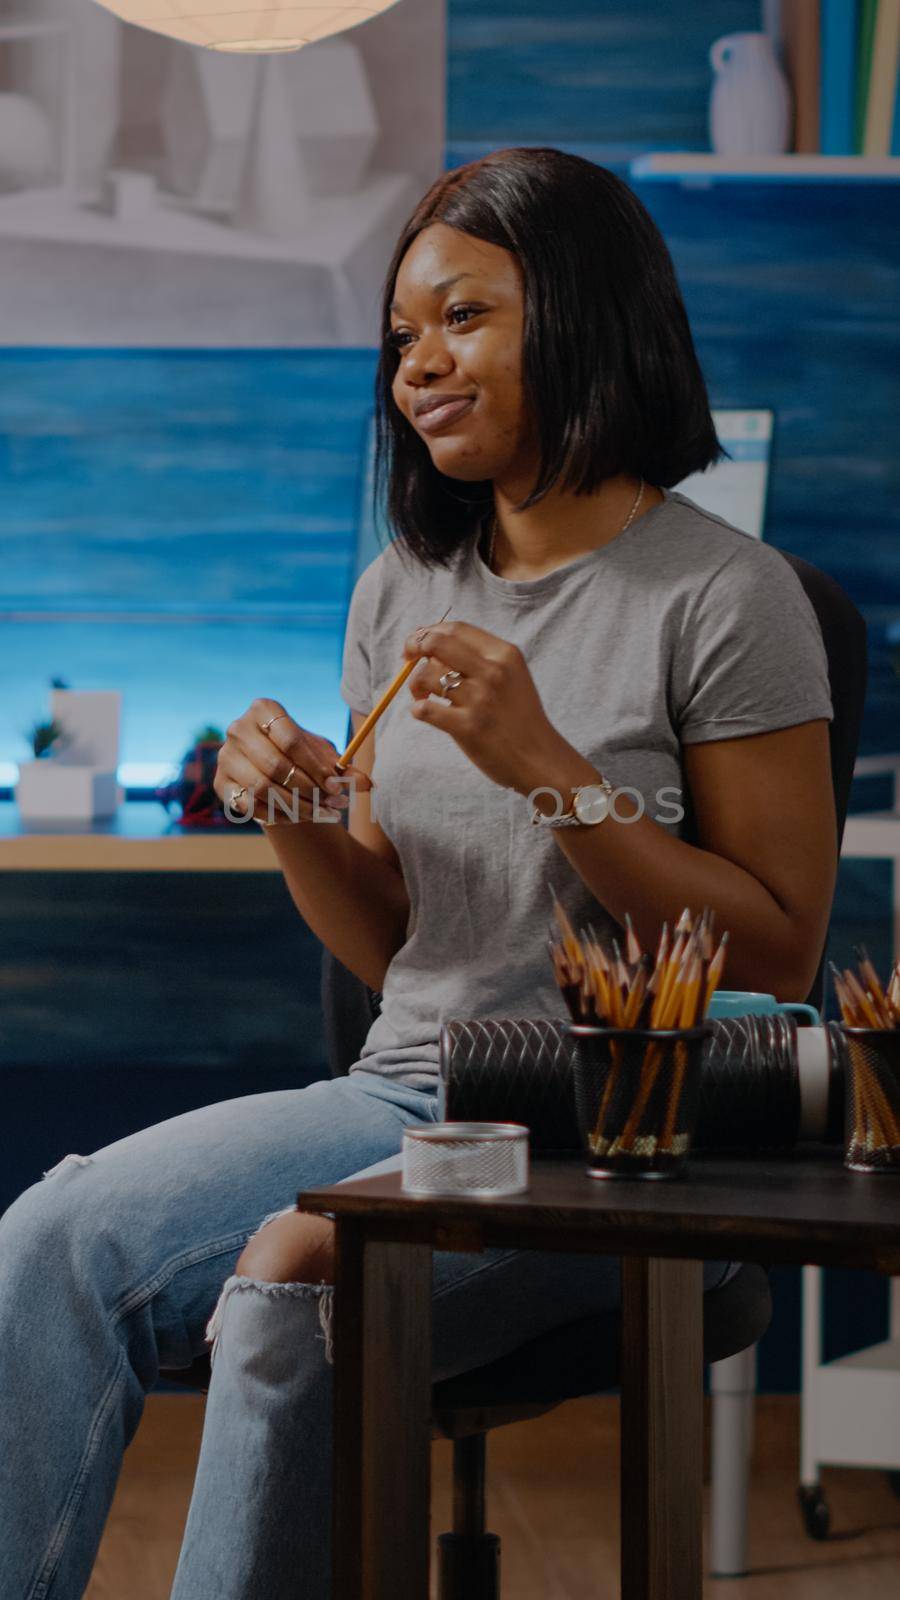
(468, 1566)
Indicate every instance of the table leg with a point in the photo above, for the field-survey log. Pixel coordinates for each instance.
(662, 1429)
(382, 1418)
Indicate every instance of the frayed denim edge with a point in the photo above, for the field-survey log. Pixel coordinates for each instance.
(79, 1161)
(324, 1293)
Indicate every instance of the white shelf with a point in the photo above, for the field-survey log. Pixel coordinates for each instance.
(856, 1402)
(702, 169)
(869, 766)
(883, 1357)
(874, 834)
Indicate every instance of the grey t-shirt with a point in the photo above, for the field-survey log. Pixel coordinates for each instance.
(680, 630)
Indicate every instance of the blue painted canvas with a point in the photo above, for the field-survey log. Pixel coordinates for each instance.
(180, 525)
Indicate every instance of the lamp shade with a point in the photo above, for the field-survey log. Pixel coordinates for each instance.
(251, 27)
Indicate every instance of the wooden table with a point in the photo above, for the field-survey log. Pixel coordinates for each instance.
(796, 1210)
(141, 837)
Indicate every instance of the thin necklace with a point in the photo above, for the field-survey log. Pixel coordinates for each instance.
(626, 524)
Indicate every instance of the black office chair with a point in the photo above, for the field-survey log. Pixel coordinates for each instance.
(843, 630)
(582, 1358)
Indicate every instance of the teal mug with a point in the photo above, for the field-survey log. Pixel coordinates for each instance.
(745, 1002)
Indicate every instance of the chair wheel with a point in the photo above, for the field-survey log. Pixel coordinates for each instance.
(468, 1566)
(814, 1510)
(893, 1479)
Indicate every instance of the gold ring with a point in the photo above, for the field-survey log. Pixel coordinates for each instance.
(286, 781)
(265, 726)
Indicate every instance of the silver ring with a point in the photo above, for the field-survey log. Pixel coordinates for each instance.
(265, 726)
(286, 781)
(450, 680)
(236, 797)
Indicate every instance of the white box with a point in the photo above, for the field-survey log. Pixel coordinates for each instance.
(90, 721)
(49, 791)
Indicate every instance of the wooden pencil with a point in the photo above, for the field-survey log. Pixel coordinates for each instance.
(865, 1004)
(365, 728)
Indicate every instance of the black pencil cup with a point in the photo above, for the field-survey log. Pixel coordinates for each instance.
(637, 1093)
(872, 1125)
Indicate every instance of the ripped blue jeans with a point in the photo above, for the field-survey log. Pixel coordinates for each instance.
(120, 1264)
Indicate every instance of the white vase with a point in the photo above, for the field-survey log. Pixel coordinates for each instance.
(750, 107)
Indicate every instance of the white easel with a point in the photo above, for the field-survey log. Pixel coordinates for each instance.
(850, 1408)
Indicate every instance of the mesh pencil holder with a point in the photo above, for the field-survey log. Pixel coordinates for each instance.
(637, 1093)
(872, 1127)
(484, 1160)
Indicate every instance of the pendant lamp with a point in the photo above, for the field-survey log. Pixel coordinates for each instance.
(251, 27)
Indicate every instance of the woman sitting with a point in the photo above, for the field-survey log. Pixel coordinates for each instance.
(538, 398)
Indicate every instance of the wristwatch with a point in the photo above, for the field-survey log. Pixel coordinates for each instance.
(589, 805)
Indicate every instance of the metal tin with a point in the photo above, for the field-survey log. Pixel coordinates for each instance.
(482, 1160)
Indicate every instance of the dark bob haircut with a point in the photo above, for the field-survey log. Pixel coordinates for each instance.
(609, 367)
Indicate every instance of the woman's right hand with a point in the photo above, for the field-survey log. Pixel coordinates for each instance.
(261, 748)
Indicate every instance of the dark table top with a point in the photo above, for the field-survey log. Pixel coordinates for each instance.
(801, 1208)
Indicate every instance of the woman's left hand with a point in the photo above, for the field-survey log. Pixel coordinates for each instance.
(495, 715)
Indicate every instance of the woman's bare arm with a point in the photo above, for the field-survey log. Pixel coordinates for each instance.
(766, 861)
(346, 881)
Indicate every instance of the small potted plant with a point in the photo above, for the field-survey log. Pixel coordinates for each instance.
(46, 738)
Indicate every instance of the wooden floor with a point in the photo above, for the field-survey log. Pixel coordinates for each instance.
(553, 1500)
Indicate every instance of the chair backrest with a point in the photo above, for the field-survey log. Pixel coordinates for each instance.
(843, 631)
(349, 1006)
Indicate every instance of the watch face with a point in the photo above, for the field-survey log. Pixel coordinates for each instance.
(591, 804)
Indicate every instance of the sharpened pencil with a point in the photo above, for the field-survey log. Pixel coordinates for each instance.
(366, 727)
